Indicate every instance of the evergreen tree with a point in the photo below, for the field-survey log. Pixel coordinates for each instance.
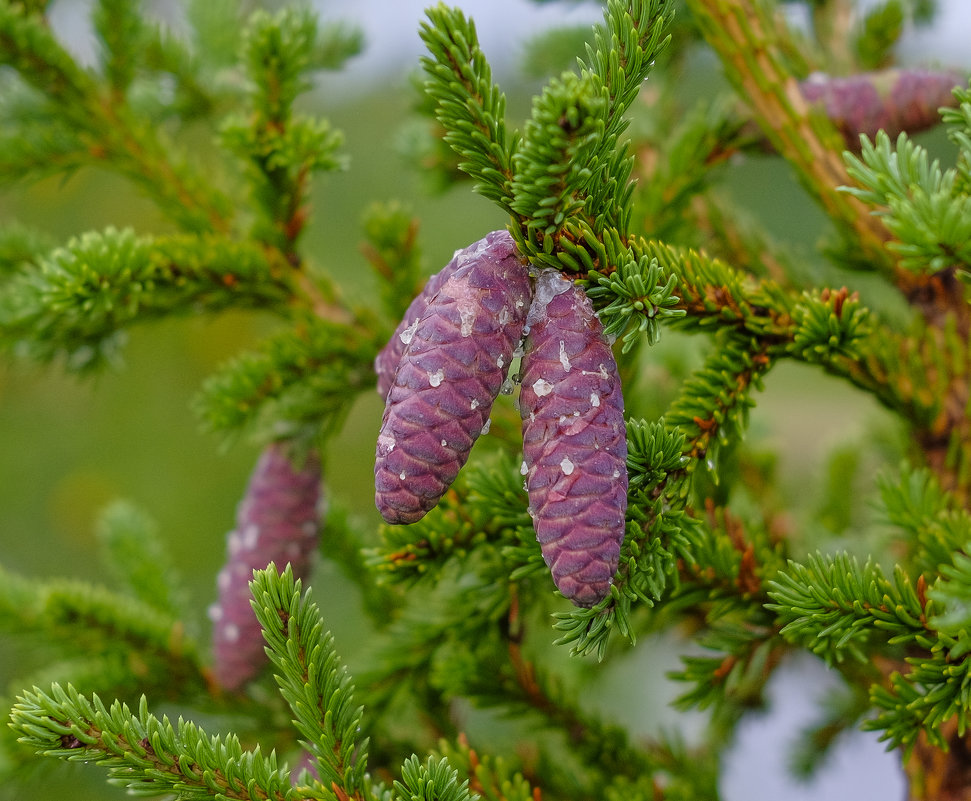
(631, 222)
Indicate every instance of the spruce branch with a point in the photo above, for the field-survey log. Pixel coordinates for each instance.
(281, 148)
(484, 510)
(297, 380)
(828, 328)
(312, 680)
(958, 121)
(927, 700)
(570, 164)
(922, 205)
(752, 55)
(391, 247)
(217, 28)
(877, 33)
(624, 49)
(655, 451)
(931, 696)
(84, 618)
(623, 53)
(194, 91)
(836, 608)
(138, 560)
(933, 526)
(28, 46)
(639, 299)
(81, 296)
(433, 780)
(38, 146)
(146, 754)
(558, 157)
(515, 683)
(713, 294)
(119, 26)
(21, 246)
(103, 128)
(491, 778)
(745, 653)
(713, 406)
(468, 105)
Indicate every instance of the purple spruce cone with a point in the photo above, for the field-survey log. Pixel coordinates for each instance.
(574, 440)
(892, 100)
(277, 521)
(451, 370)
(387, 360)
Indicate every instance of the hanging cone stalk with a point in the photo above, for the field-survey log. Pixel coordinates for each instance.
(451, 369)
(574, 440)
(277, 521)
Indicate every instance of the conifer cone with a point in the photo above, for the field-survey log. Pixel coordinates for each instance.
(894, 100)
(386, 362)
(450, 372)
(574, 440)
(277, 521)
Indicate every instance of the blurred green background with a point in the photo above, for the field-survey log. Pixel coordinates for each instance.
(68, 447)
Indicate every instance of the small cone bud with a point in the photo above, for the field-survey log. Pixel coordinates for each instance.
(892, 100)
(574, 441)
(277, 521)
(449, 375)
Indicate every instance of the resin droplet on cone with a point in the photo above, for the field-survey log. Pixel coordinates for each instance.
(449, 374)
(277, 521)
(574, 441)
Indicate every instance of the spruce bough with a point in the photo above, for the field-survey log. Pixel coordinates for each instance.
(631, 224)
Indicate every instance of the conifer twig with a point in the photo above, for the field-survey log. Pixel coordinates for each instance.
(738, 31)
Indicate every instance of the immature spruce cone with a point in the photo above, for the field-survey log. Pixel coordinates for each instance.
(892, 100)
(386, 362)
(574, 440)
(449, 375)
(277, 521)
